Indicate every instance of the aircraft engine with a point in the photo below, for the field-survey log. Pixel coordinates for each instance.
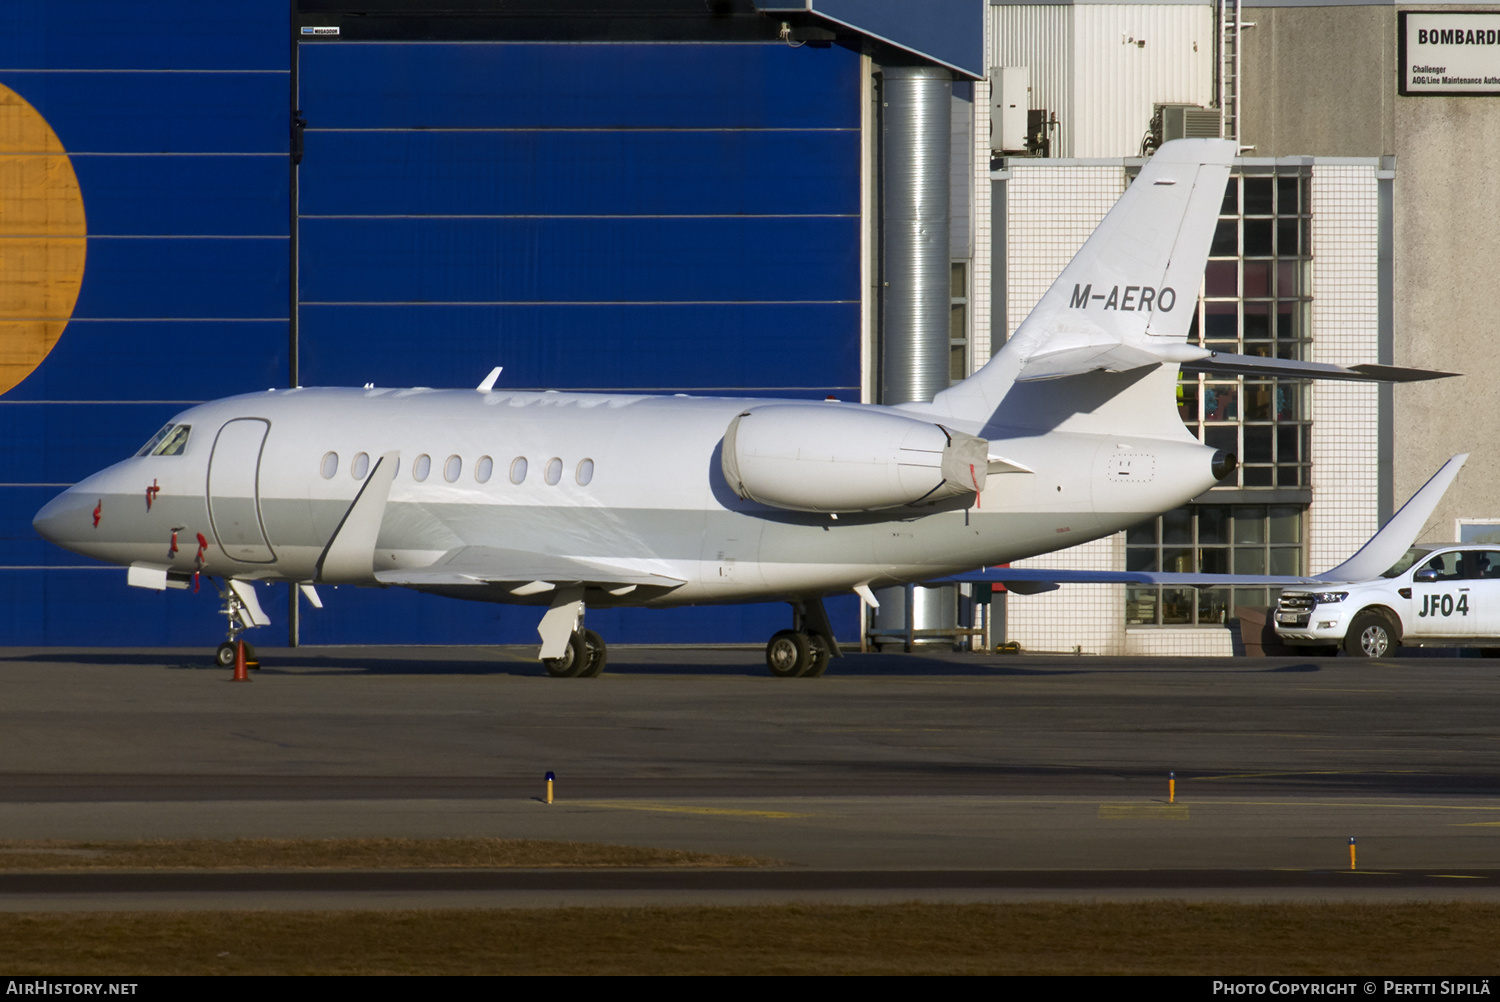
(827, 458)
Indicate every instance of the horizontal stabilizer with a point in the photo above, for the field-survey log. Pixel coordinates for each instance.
(1254, 365)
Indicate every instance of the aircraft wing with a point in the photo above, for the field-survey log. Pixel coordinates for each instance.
(529, 571)
(1373, 559)
(1034, 580)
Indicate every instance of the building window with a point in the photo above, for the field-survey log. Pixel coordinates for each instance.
(1256, 301)
(1215, 539)
(958, 322)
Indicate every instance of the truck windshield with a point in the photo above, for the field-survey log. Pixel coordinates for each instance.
(1408, 558)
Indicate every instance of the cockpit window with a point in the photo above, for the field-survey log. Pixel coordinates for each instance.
(156, 439)
(170, 441)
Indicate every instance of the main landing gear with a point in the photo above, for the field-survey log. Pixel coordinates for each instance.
(569, 650)
(584, 657)
(805, 650)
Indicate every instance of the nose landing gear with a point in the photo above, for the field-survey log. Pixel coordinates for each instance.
(241, 611)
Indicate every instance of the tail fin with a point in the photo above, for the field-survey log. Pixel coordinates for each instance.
(1126, 300)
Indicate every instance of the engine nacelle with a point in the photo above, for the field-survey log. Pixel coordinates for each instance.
(830, 458)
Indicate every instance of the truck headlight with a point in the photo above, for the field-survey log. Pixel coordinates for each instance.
(1330, 597)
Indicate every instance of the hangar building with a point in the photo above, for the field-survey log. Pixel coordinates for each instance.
(684, 196)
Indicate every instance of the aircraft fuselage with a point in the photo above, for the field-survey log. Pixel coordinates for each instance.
(267, 479)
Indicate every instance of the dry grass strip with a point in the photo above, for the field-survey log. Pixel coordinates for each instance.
(1161, 937)
(344, 854)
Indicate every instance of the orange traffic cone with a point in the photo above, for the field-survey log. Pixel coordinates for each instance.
(240, 675)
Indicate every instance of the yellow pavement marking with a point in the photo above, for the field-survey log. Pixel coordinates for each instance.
(629, 805)
(1163, 812)
(1310, 772)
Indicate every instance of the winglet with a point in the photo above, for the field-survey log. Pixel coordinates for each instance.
(1396, 536)
(349, 557)
(489, 381)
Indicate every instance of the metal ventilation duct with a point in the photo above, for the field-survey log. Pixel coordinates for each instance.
(915, 153)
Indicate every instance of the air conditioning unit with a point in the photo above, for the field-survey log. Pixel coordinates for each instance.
(1187, 121)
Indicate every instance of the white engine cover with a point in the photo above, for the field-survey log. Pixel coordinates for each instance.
(831, 458)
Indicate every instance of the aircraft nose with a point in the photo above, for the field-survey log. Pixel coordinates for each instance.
(63, 518)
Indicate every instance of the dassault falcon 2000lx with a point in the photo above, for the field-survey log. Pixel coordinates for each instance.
(570, 500)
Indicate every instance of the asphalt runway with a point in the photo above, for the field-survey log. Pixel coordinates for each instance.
(895, 777)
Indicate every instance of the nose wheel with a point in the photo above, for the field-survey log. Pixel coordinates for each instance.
(224, 656)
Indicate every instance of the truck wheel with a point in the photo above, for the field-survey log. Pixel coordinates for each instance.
(1370, 636)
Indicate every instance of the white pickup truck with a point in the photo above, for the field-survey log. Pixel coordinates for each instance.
(1434, 596)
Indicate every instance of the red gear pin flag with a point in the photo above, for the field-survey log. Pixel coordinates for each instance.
(201, 557)
(172, 550)
(98, 511)
(151, 493)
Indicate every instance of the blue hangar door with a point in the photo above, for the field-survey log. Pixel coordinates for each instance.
(625, 216)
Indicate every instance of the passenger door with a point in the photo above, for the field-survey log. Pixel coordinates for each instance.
(1443, 597)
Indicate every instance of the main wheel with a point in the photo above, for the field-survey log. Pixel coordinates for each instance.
(1370, 636)
(821, 655)
(597, 654)
(574, 659)
(788, 654)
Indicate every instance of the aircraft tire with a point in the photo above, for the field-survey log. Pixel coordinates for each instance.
(574, 660)
(1370, 636)
(820, 656)
(788, 654)
(597, 655)
(224, 655)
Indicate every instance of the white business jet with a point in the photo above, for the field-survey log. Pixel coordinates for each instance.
(571, 500)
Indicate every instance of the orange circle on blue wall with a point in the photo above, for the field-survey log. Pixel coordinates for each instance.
(42, 238)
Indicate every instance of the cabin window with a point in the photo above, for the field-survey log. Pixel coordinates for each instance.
(360, 466)
(518, 470)
(330, 465)
(422, 467)
(585, 472)
(452, 468)
(483, 469)
(554, 471)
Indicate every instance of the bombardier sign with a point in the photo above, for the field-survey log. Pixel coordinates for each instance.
(1449, 53)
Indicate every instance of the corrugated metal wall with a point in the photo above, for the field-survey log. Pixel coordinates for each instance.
(1101, 67)
(662, 217)
(174, 116)
(594, 216)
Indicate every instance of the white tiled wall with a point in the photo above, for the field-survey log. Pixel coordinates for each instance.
(1345, 282)
(979, 274)
(1051, 210)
